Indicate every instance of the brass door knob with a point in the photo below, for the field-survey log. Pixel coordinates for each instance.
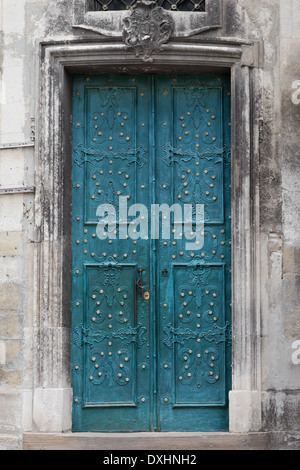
(146, 296)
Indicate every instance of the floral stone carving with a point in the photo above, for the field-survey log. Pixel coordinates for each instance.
(147, 28)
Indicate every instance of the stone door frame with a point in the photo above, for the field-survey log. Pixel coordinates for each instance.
(52, 392)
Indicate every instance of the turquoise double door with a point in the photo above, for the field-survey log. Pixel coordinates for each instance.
(151, 288)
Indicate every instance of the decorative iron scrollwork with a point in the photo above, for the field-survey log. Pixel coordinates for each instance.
(179, 335)
(147, 28)
(175, 5)
(91, 155)
(91, 336)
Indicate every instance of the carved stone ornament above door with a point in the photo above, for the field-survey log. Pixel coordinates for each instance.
(147, 28)
(130, 24)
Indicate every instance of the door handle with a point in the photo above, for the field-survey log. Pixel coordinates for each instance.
(140, 285)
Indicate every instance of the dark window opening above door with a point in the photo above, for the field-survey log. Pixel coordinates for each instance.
(174, 5)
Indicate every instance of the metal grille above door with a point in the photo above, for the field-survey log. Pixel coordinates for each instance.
(174, 5)
(151, 335)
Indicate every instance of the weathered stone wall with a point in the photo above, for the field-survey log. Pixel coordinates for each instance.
(276, 25)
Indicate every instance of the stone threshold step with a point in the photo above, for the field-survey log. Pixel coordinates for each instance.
(147, 441)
